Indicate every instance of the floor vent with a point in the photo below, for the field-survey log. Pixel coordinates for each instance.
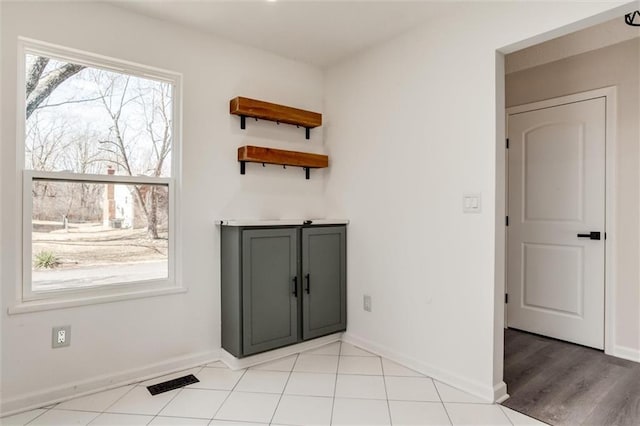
(172, 384)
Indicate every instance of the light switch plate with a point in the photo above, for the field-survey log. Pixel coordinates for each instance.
(471, 203)
(366, 303)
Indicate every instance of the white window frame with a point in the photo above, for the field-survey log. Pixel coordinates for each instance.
(29, 300)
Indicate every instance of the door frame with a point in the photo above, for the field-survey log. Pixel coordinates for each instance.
(610, 283)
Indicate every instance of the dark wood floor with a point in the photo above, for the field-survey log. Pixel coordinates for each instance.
(565, 384)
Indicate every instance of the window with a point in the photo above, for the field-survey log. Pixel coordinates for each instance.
(100, 172)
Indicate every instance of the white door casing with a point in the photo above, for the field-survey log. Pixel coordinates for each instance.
(556, 181)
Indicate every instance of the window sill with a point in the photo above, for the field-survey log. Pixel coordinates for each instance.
(63, 303)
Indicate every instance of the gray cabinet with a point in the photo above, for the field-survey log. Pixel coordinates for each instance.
(324, 273)
(281, 285)
(269, 271)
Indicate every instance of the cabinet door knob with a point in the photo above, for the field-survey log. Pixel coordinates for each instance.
(295, 286)
(308, 289)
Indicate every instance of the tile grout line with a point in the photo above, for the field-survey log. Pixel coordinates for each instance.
(263, 393)
(284, 388)
(46, 410)
(200, 369)
(273, 393)
(183, 372)
(98, 413)
(93, 419)
(230, 392)
(441, 401)
(335, 384)
(233, 422)
(138, 384)
(386, 393)
(505, 414)
(53, 406)
(133, 386)
(174, 397)
(348, 356)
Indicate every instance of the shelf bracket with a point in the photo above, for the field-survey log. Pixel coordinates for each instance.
(307, 132)
(243, 122)
(242, 167)
(306, 172)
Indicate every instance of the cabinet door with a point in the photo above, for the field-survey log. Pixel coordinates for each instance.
(324, 276)
(270, 308)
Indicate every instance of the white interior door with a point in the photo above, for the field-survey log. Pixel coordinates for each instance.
(555, 278)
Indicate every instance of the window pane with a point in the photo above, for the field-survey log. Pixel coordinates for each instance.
(88, 234)
(83, 120)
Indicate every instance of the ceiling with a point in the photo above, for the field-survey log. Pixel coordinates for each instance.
(595, 37)
(317, 32)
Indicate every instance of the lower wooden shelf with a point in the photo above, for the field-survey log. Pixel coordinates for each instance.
(257, 154)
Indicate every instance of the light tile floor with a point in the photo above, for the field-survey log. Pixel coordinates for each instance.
(337, 384)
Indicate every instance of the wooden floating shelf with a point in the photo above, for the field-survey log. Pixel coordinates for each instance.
(256, 154)
(245, 107)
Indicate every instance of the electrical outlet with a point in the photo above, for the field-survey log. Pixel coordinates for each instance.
(60, 336)
(367, 303)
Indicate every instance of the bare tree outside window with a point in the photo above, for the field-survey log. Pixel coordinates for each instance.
(85, 121)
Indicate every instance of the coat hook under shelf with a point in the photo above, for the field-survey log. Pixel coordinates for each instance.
(307, 170)
(260, 155)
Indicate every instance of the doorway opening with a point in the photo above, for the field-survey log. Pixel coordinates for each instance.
(566, 116)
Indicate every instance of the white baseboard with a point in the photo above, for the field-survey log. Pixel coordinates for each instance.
(488, 393)
(497, 393)
(500, 393)
(239, 363)
(627, 353)
(100, 383)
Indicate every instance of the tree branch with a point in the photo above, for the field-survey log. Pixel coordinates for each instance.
(35, 72)
(48, 84)
(67, 102)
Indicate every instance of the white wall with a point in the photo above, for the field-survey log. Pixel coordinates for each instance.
(595, 37)
(617, 65)
(412, 127)
(114, 341)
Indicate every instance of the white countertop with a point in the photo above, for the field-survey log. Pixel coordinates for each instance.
(279, 222)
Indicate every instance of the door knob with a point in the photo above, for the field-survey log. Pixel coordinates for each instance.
(591, 235)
